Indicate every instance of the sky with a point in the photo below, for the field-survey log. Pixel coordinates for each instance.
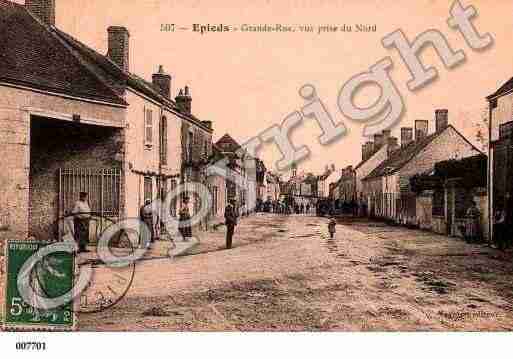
(247, 82)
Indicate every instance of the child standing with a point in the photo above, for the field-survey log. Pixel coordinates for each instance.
(332, 227)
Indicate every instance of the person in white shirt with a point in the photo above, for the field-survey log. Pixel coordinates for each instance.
(81, 218)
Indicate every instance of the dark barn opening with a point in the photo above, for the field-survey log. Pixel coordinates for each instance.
(56, 145)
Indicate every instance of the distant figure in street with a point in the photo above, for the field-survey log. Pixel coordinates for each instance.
(184, 217)
(302, 210)
(332, 227)
(81, 218)
(308, 208)
(146, 216)
(473, 220)
(230, 216)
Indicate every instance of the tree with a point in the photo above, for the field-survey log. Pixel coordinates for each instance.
(482, 130)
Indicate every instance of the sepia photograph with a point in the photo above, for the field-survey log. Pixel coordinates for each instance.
(256, 178)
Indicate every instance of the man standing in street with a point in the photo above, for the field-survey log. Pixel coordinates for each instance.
(82, 215)
(230, 216)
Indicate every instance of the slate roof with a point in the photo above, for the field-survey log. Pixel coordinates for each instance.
(36, 55)
(31, 55)
(400, 157)
(227, 144)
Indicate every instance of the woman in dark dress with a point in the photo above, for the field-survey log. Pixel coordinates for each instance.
(185, 217)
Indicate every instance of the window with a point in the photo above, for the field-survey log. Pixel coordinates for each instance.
(163, 141)
(148, 189)
(439, 202)
(214, 200)
(190, 144)
(506, 130)
(148, 128)
(205, 149)
(163, 189)
(173, 202)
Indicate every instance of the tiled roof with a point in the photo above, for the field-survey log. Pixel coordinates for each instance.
(105, 68)
(31, 55)
(228, 144)
(43, 57)
(399, 158)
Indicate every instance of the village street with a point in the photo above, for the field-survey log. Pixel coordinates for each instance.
(285, 274)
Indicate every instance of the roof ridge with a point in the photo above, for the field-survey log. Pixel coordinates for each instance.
(51, 30)
(130, 76)
(421, 143)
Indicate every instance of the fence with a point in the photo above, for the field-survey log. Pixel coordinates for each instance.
(103, 186)
(398, 207)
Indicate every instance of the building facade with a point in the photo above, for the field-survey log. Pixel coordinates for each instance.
(74, 120)
(500, 153)
(388, 186)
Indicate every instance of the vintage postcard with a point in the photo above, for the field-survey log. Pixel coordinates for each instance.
(292, 166)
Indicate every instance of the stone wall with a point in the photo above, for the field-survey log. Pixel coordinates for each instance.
(56, 144)
(15, 108)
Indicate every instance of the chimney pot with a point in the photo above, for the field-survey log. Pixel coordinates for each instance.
(392, 144)
(421, 129)
(43, 9)
(162, 82)
(386, 135)
(441, 119)
(184, 101)
(378, 141)
(406, 136)
(119, 46)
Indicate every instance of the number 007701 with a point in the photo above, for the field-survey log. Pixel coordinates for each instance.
(39, 346)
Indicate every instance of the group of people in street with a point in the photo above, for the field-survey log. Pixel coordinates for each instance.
(82, 215)
(283, 207)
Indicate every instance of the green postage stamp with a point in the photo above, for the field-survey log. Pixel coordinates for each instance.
(44, 278)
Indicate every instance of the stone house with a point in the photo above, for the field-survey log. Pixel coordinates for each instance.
(350, 186)
(324, 180)
(500, 152)
(75, 120)
(250, 169)
(273, 186)
(344, 190)
(388, 185)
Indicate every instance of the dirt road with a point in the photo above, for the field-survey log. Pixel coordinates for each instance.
(285, 274)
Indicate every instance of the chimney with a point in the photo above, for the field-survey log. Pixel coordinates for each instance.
(119, 50)
(184, 100)
(162, 82)
(43, 9)
(406, 136)
(442, 119)
(392, 144)
(421, 129)
(378, 141)
(370, 148)
(386, 135)
(367, 150)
